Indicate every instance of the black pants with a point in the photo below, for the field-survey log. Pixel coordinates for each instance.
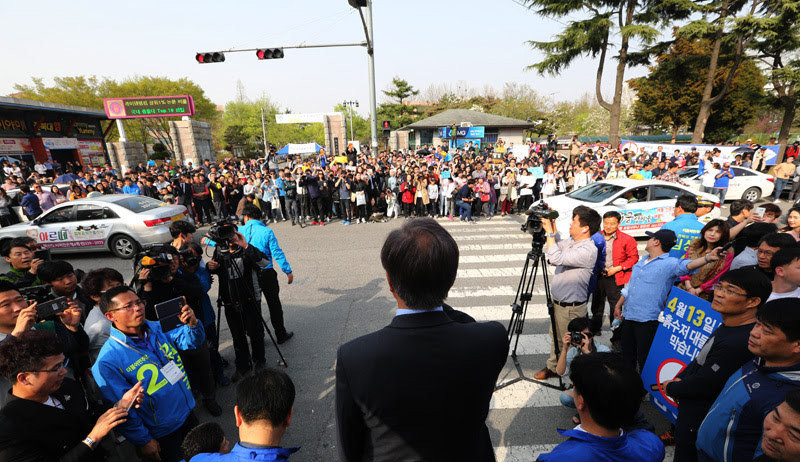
(204, 210)
(636, 338)
(171, 444)
(268, 281)
(282, 200)
(246, 324)
(198, 368)
(607, 289)
(347, 212)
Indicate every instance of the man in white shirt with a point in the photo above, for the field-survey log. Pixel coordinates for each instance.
(786, 266)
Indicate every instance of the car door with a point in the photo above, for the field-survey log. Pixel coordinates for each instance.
(662, 204)
(632, 205)
(742, 179)
(92, 226)
(52, 228)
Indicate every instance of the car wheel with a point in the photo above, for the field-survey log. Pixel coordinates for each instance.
(752, 194)
(124, 246)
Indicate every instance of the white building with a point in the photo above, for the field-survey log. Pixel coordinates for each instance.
(427, 131)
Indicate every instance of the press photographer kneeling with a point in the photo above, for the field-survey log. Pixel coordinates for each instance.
(579, 340)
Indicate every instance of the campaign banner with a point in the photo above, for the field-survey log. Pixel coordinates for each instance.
(685, 325)
(462, 132)
(727, 153)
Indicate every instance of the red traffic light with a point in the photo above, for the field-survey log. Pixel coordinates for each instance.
(213, 57)
(387, 125)
(270, 53)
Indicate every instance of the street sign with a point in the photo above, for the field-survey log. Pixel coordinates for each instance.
(148, 106)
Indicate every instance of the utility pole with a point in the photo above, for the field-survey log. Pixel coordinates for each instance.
(373, 115)
(349, 105)
(264, 132)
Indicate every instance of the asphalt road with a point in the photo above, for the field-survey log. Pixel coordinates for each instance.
(340, 292)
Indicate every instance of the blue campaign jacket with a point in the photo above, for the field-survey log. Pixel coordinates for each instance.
(256, 233)
(732, 428)
(687, 228)
(638, 445)
(120, 364)
(241, 453)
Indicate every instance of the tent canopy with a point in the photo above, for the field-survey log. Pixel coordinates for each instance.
(306, 148)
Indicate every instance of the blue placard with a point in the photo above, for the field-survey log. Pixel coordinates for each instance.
(446, 174)
(537, 172)
(463, 132)
(686, 323)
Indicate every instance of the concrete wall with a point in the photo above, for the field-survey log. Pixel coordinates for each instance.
(192, 141)
(336, 133)
(511, 135)
(125, 154)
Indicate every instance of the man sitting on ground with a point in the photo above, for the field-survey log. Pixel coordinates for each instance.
(608, 393)
(207, 437)
(263, 412)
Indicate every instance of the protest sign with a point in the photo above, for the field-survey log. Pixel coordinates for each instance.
(685, 324)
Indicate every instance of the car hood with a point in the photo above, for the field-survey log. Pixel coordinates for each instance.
(17, 227)
(564, 205)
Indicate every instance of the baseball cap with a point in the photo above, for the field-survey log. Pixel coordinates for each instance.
(704, 202)
(664, 236)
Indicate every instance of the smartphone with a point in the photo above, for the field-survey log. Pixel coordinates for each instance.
(760, 211)
(728, 246)
(42, 254)
(50, 308)
(168, 313)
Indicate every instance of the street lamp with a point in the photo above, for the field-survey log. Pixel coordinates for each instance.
(349, 104)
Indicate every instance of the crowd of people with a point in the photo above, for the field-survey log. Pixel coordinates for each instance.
(106, 364)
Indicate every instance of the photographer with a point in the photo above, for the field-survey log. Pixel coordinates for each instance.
(579, 340)
(160, 284)
(23, 264)
(241, 310)
(343, 184)
(574, 259)
(182, 232)
(61, 277)
(290, 197)
(47, 416)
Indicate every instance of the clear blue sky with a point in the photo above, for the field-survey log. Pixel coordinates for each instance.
(434, 41)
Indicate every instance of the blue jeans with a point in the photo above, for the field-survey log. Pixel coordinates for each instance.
(566, 400)
(721, 193)
(465, 210)
(780, 183)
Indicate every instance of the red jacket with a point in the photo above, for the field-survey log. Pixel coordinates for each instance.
(625, 254)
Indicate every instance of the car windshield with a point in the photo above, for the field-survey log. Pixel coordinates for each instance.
(595, 192)
(139, 204)
(688, 173)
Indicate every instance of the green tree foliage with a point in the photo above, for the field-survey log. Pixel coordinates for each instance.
(669, 98)
(397, 110)
(89, 91)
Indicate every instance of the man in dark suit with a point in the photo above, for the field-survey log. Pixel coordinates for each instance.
(419, 389)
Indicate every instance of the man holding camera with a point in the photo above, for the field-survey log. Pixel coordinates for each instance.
(574, 259)
(578, 341)
(23, 264)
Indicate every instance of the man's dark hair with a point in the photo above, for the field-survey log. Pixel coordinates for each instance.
(587, 217)
(687, 202)
(578, 324)
(784, 256)
(754, 282)
(26, 352)
(782, 314)
(252, 211)
(6, 286)
(49, 271)
(610, 387)
(771, 208)
(95, 279)
(176, 228)
(613, 214)
(421, 261)
(738, 205)
(672, 165)
(16, 242)
(106, 300)
(203, 439)
(780, 240)
(25, 188)
(752, 234)
(792, 398)
(266, 395)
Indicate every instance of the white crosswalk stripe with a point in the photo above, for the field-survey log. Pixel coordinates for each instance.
(490, 264)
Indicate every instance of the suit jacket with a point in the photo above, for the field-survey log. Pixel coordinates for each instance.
(419, 389)
(625, 253)
(31, 431)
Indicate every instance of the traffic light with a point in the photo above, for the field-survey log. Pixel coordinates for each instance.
(357, 3)
(213, 57)
(270, 53)
(387, 127)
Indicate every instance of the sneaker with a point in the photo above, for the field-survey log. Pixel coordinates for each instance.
(450, 217)
(322, 223)
(347, 223)
(315, 222)
(667, 438)
(213, 407)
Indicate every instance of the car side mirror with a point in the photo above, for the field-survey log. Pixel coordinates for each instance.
(620, 202)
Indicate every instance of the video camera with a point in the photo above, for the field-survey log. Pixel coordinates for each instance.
(47, 304)
(537, 212)
(156, 259)
(222, 232)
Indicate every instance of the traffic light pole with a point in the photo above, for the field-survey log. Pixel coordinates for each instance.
(373, 113)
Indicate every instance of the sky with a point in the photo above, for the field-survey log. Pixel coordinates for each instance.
(479, 42)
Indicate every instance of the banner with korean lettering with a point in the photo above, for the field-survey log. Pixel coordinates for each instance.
(685, 324)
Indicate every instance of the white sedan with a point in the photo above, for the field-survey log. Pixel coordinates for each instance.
(746, 183)
(645, 205)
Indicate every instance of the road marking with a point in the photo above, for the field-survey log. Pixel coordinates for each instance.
(493, 222)
(492, 258)
(503, 312)
(514, 272)
(497, 291)
(488, 226)
(522, 453)
(482, 247)
(480, 237)
(525, 394)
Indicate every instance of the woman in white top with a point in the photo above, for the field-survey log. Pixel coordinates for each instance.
(549, 183)
(710, 171)
(445, 199)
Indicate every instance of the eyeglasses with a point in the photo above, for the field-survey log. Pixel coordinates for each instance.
(766, 253)
(57, 368)
(727, 289)
(130, 306)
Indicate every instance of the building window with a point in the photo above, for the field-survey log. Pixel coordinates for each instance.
(489, 136)
(425, 137)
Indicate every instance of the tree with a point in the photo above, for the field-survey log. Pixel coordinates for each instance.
(397, 111)
(669, 98)
(621, 21)
(777, 48)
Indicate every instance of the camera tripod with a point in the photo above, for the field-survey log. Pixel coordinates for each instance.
(519, 309)
(238, 300)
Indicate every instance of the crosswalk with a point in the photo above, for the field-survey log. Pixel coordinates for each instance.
(523, 416)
